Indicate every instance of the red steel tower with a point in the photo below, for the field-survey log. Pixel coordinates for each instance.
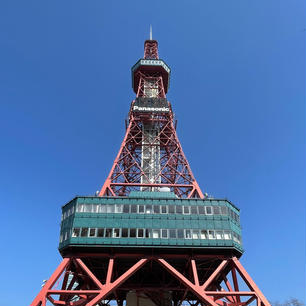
(150, 238)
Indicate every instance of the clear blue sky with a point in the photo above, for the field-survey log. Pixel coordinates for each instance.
(237, 88)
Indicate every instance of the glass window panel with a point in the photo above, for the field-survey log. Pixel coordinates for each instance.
(125, 232)
(95, 208)
(227, 235)
(148, 209)
(211, 235)
(208, 210)
(155, 233)
(148, 233)
(100, 232)
(172, 233)
(156, 209)
(171, 209)
(201, 210)
(179, 209)
(126, 208)
(216, 210)
(204, 234)
(180, 233)
(72, 209)
(164, 209)
(80, 208)
(223, 210)
(116, 233)
(92, 232)
(133, 232)
(219, 234)
(194, 210)
(110, 208)
(108, 232)
(186, 210)
(103, 209)
(140, 233)
(188, 234)
(141, 209)
(134, 209)
(64, 216)
(66, 236)
(118, 208)
(164, 233)
(87, 208)
(195, 234)
(84, 232)
(76, 232)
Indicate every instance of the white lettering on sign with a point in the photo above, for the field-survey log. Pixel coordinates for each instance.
(151, 109)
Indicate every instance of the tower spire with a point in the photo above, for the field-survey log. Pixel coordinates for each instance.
(150, 32)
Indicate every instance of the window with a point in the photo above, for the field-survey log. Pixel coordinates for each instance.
(126, 208)
(84, 232)
(95, 208)
(133, 232)
(186, 210)
(100, 232)
(219, 234)
(195, 234)
(108, 232)
(227, 235)
(208, 210)
(164, 209)
(72, 209)
(147, 232)
(194, 210)
(172, 233)
(140, 233)
(61, 238)
(66, 236)
(156, 209)
(103, 209)
(179, 209)
(87, 208)
(155, 233)
(125, 232)
(171, 209)
(116, 233)
(180, 233)
(188, 234)
(216, 210)
(148, 209)
(223, 210)
(110, 208)
(133, 209)
(211, 235)
(92, 232)
(118, 208)
(65, 215)
(80, 208)
(76, 232)
(141, 209)
(201, 210)
(204, 234)
(164, 233)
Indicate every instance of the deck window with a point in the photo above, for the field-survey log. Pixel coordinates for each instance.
(223, 210)
(219, 235)
(103, 209)
(140, 233)
(133, 232)
(208, 210)
(84, 232)
(108, 232)
(188, 234)
(116, 233)
(133, 209)
(87, 208)
(180, 234)
(141, 209)
(125, 232)
(156, 209)
(110, 208)
(164, 233)
(216, 210)
(126, 208)
(147, 232)
(155, 233)
(227, 235)
(195, 234)
(179, 209)
(100, 232)
(148, 209)
(171, 209)
(76, 232)
(186, 210)
(92, 232)
(172, 233)
(204, 234)
(211, 235)
(194, 210)
(164, 209)
(201, 210)
(118, 208)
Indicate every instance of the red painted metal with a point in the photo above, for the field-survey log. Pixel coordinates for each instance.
(88, 289)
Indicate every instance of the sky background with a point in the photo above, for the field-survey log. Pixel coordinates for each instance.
(237, 89)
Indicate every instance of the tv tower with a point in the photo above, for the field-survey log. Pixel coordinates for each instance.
(150, 237)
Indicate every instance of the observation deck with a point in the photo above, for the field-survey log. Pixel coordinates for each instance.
(147, 220)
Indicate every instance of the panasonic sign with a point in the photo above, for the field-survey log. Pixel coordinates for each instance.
(150, 109)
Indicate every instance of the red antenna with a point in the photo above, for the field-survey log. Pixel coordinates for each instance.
(151, 156)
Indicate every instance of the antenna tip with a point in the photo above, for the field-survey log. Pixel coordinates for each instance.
(150, 32)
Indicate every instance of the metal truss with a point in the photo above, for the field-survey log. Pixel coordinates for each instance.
(199, 280)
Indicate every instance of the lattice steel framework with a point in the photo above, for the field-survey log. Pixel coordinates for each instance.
(128, 173)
